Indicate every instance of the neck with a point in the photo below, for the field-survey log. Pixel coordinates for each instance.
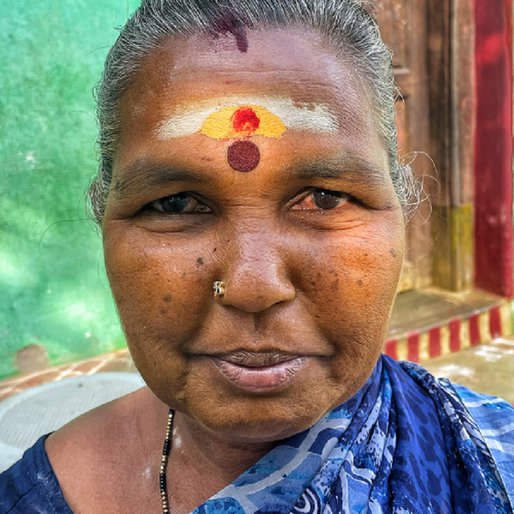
(224, 455)
(201, 464)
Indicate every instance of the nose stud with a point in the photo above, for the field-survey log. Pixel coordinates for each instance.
(218, 288)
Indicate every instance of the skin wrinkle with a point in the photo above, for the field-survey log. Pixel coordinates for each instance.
(143, 174)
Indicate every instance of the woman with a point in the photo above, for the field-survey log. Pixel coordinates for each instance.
(252, 209)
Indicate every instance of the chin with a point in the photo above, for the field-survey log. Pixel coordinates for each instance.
(262, 418)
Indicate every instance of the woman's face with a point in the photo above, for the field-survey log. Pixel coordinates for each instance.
(253, 160)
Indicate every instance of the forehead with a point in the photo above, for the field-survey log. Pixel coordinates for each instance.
(293, 66)
(295, 63)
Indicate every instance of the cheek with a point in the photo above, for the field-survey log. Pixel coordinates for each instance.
(352, 285)
(149, 280)
(361, 265)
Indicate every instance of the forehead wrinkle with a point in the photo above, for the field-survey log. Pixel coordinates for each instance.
(300, 86)
(143, 174)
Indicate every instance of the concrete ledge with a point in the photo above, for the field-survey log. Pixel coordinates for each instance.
(431, 323)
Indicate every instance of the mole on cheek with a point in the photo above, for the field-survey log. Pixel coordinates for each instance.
(166, 298)
(199, 261)
(243, 156)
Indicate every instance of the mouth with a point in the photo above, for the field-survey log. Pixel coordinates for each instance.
(258, 372)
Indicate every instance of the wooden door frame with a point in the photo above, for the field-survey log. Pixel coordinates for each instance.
(452, 99)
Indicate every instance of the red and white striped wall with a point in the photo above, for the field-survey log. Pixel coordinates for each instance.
(452, 336)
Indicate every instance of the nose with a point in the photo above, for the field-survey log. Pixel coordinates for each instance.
(256, 275)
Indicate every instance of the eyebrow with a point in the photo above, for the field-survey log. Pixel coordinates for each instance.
(348, 165)
(143, 174)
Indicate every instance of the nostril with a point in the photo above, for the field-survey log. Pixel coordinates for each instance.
(249, 294)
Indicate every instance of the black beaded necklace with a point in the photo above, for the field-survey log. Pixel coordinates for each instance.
(166, 447)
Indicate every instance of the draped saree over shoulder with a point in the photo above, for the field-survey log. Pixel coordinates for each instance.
(406, 443)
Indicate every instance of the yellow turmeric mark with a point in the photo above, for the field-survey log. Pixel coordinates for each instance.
(242, 121)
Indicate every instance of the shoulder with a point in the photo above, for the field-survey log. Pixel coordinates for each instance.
(30, 485)
(91, 447)
(495, 419)
(485, 421)
(487, 409)
(109, 442)
(98, 430)
(493, 416)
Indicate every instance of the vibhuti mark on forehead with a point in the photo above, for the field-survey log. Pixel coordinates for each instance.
(246, 117)
(188, 120)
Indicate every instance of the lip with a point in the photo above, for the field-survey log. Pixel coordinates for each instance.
(258, 372)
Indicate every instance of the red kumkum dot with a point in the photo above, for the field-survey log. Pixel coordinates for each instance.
(245, 120)
(243, 156)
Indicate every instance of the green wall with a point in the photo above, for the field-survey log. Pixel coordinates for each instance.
(53, 290)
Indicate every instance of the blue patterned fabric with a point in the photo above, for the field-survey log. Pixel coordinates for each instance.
(30, 486)
(406, 443)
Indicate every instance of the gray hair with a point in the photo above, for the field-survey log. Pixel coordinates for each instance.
(346, 25)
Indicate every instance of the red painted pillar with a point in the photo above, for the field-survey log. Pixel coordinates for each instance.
(493, 147)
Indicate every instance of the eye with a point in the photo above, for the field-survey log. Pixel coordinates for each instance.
(322, 199)
(181, 203)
